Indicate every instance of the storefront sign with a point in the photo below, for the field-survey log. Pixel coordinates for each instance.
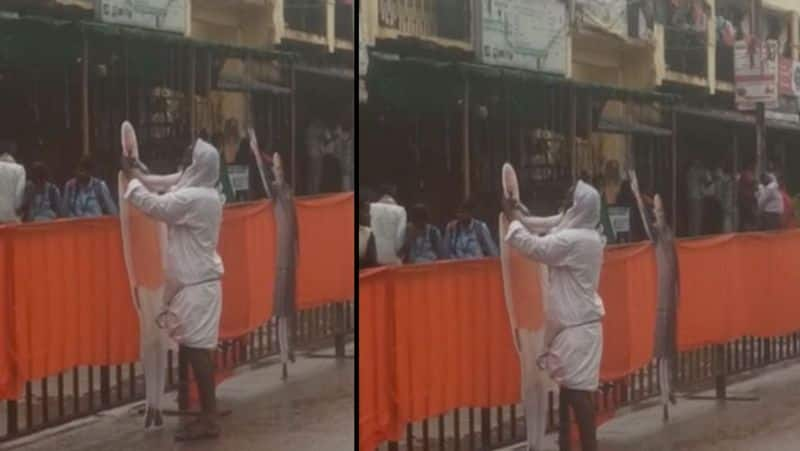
(161, 15)
(239, 175)
(524, 34)
(756, 74)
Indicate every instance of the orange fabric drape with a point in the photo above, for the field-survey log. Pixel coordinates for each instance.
(69, 287)
(436, 337)
(10, 385)
(247, 249)
(452, 338)
(628, 286)
(326, 272)
(377, 415)
(65, 298)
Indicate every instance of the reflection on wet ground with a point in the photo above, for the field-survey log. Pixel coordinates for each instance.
(313, 410)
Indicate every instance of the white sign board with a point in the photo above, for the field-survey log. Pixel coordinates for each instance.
(239, 175)
(620, 219)
(756, 74)
(524, 34)
(161, 15)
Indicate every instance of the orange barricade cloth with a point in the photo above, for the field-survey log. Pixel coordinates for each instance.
(65, 299)
(628, 288)
(453, 345)
(377, 413)
(71, 299)
(247, 248)
(10, 384)
(326, 269)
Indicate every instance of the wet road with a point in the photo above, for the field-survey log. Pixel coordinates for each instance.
(313, 410)
(772, 423)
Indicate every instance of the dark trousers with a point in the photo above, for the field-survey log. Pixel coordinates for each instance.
(582, 405)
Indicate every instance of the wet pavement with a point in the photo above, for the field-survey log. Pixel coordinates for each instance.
(313, 410)
(770, 423)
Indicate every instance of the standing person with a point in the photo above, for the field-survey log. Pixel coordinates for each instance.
(86, 196)
(367, 256)
(423, 242)
(724, 192)
(192, 210)
(573, 253)
(788, 221)
(12, 184)
(224, 185)
(605, 219)
(319, 141)
(388, 221)
(42, 198)
(770, 202)
(748, 206)
(697, 182)
(467, 237)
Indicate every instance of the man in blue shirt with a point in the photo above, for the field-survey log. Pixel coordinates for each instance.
(467, 237)
(423, 240)
(86, 196)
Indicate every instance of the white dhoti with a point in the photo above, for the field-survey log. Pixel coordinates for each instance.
(197, 310)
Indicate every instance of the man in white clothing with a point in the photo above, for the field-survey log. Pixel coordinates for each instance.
(770, 202)
(192, 210)
(12, 184)
(388, 221)
(572, 249)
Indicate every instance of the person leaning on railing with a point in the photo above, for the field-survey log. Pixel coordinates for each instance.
(367, 257)
(86, 196)
(12, 184)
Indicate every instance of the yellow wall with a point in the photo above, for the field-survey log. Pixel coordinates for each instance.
(248, 25)
(607, 60)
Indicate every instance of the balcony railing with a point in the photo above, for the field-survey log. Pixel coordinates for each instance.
(447, 19)
(307, 16)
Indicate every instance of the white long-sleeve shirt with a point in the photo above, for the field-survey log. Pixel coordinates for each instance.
(193, 217)
(388, 224)
(12, 189)
(770, 199)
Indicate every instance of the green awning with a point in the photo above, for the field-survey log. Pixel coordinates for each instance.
(456, 71)
(47, 41)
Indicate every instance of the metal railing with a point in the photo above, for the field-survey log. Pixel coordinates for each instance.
(87, 390)
(700, 369)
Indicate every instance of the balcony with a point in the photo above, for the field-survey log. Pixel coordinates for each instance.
(443, 22)
(320, 22)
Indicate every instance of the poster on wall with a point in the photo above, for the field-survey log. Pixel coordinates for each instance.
(524, 34)
(161, 15)
(756, 74)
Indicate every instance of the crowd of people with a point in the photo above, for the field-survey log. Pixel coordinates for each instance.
(391, 235)
(722, 202)
(717, 201)
(30, 195)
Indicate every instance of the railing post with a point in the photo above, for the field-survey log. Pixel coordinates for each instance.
(486, 429)
(12, 419)
(105, 386)
(720, 371)
(341, 330)
(183, 379)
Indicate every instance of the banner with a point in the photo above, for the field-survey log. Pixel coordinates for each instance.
(524, 34)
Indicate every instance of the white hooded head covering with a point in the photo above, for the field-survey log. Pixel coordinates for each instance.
(204, 170)
(585, 210)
